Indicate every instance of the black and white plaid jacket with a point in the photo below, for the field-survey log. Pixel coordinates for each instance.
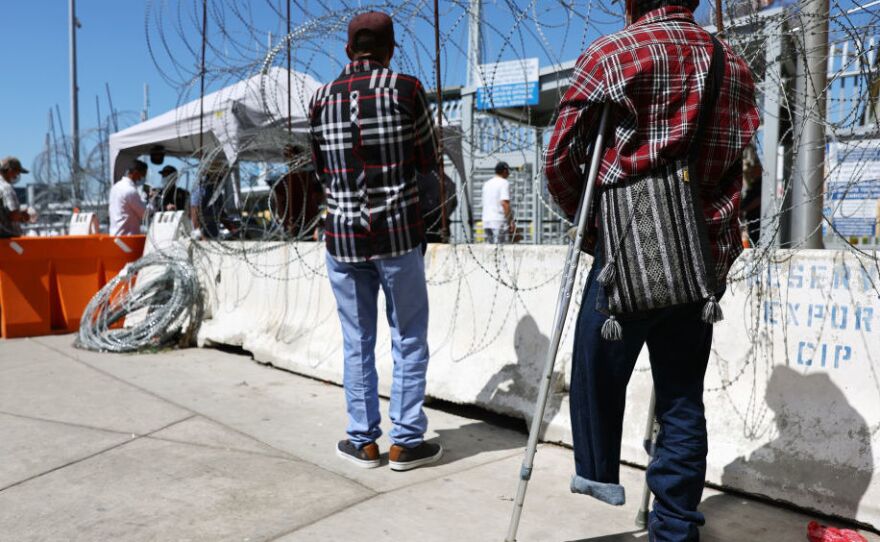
(372, 131)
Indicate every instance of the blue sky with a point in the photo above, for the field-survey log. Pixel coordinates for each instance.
(113, 49)
(35, 60)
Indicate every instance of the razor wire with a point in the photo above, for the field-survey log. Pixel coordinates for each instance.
(249, 39)
(154, 303)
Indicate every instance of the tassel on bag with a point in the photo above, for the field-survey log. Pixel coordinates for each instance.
(712, 312)
(607, 274)
(612, 330)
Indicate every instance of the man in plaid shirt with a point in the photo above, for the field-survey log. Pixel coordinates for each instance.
(372, 132)
(654, 74)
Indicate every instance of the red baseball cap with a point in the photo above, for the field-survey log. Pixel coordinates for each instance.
(376, 22)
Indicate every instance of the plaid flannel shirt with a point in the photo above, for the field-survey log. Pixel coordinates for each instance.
(654, 73)
(372, 131)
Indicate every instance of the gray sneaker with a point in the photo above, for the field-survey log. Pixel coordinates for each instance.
(366, 457)
(401, 458)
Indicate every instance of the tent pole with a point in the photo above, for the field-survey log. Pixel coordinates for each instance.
(444, 232)
(289, 89)
(202, 81)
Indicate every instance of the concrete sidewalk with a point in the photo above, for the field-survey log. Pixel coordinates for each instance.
(206, 445)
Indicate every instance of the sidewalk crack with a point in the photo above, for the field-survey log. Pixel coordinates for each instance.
(92, 455)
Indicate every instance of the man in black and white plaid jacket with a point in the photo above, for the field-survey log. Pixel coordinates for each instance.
(372, 132)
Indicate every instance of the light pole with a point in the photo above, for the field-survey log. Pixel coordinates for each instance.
(74, 108)
(807, 190)
(467, 113)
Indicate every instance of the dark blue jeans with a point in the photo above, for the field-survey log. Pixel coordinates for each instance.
(679, 343)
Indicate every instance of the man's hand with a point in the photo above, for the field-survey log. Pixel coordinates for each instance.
(511, 228)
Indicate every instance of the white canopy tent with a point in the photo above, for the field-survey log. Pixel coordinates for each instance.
(247, 120)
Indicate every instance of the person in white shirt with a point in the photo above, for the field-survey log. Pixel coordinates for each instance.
(497, 217)
(11, 215)
(126, 206)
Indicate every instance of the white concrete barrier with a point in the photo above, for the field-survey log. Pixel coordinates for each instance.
(793, 387)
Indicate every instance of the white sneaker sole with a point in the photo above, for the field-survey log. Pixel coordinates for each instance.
(409, 465)
(362, 463)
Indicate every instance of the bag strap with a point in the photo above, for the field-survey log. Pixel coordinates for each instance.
(714, 82)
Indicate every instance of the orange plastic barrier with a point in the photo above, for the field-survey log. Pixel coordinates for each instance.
(115, 252)
(46, 282)
(75, 266)
(24, 288)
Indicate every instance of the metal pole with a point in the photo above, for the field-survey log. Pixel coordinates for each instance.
(808, 187)
(47, 151)
(74, 105)
(467, 112)
(63, 148)
(444, 232)
(474, 38)
(102, 133)
(54, 144)
(202, 82)
(145, 113)
(467, 151)
(772, 206)
(113, 115)
(562, 304)
(537, 188)
(289, 88)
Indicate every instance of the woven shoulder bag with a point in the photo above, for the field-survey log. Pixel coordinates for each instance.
(654, 232)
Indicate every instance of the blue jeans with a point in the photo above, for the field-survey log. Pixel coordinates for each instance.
(679, 343)
(356, 287)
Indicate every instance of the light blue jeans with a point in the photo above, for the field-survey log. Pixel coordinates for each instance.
(356, 287)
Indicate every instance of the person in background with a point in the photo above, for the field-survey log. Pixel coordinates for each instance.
(151, 195)
(877, 227)
(173, 198)
(297, 196)
(497, 215)
(374, 230)
(127, 209)
(153, 201)
(207, 201)
(11, 215)
(654, 75)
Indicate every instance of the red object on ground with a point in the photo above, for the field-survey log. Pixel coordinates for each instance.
(821, 533)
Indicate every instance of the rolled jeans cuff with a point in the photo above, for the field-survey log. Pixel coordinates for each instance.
(613, 494)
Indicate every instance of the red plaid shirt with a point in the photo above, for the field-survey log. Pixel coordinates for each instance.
(654, 72)
(372, 131)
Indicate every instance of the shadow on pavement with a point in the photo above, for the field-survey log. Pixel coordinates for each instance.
(617, 537)
(730, 517)
(476, 438)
